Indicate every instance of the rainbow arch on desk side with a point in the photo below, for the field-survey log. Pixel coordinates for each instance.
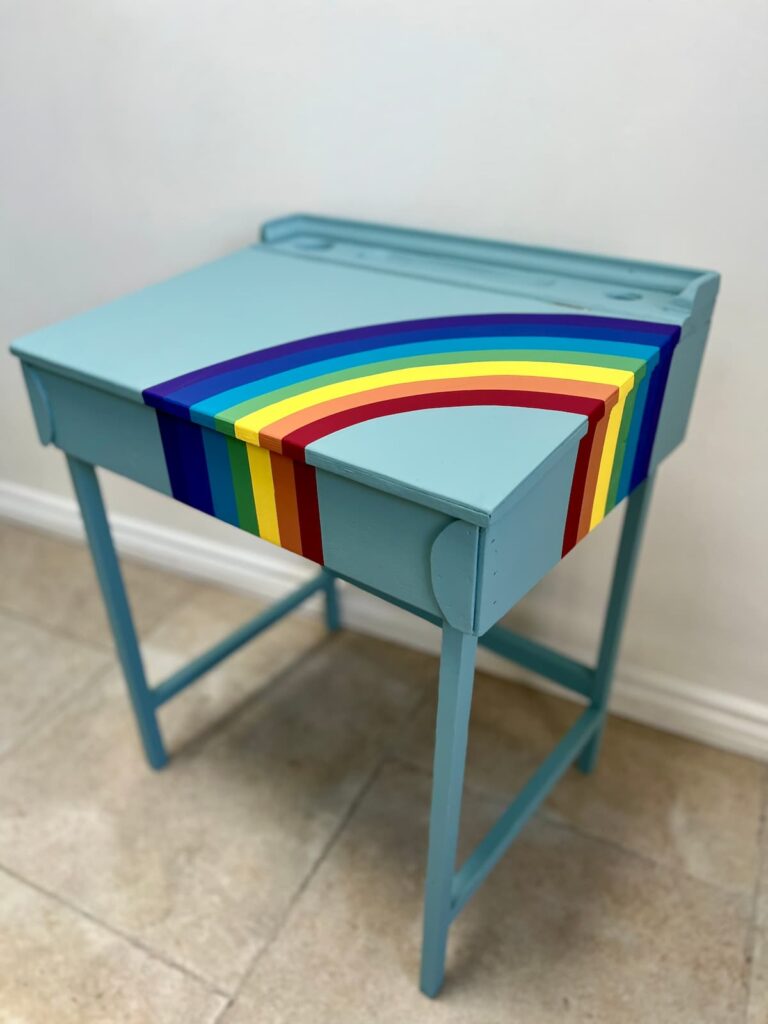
(236, 433)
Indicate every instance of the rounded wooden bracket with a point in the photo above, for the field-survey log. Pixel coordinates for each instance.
(453, 562)
(41, 407)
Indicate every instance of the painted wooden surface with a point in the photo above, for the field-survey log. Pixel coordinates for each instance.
(347, 391)
(273, 404)
(438, 420)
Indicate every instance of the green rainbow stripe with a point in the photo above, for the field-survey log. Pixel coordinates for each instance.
(236, 433)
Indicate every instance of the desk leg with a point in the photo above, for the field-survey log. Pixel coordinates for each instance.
(618, 602)
(457, 671)
(332, 611)
(116, 601)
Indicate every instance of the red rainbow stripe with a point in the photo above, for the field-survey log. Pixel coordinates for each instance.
(236, 433)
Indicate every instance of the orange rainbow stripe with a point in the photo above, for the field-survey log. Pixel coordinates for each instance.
(237, 435)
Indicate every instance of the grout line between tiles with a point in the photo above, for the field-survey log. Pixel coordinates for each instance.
(105, 649)
(304, 884)
(106, 926)
(761, 869)
(386, 757)
(106, 652)
(555, 820)
(611, 844)
(265, 692)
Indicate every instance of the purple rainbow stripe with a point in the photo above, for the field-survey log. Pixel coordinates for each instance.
(213, 474)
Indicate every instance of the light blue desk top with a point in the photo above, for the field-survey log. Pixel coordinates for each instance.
(250, 300)
(311, 276)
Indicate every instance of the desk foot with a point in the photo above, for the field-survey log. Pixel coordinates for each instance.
(332, 607)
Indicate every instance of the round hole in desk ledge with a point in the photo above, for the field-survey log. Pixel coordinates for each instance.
(625, 296)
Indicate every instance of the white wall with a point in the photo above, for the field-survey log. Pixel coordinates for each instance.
(140, 138)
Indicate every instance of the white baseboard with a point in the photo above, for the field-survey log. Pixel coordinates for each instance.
(665, 702)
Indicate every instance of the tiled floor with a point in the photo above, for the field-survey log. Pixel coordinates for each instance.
(273, 872)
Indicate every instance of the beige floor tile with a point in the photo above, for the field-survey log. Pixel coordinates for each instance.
(39, 673)
(758, 1003)
(762, 885)
(57, 967)
(686, 805)
(567, 928)
(51, 581)
(206, 616)
(200, 862)
(758, 988)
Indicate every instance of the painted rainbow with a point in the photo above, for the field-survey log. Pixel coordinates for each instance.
(235, 434)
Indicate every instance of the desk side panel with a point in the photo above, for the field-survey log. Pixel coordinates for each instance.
(681, 386)
(99, 428)
(520, 549)
(382, 541)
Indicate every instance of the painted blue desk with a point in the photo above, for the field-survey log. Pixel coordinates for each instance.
(437, 420)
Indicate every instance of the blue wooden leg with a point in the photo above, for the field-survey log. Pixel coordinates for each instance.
(332, 610)
(116, 602)
(457, 671)
(618, 601)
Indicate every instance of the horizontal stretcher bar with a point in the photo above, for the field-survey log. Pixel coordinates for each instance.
(492, 848)
(195, 668)
(192, 671)
(538, 658)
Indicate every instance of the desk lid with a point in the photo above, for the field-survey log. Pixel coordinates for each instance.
(449, 371)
